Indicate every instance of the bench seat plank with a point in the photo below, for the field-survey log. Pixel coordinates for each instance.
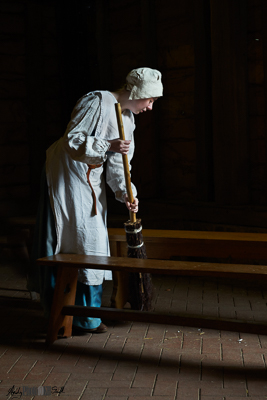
(160, 234)
(167, 267)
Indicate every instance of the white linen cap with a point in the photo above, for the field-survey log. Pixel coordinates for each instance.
(144, 83)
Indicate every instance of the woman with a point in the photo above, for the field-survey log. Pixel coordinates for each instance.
(72, 211)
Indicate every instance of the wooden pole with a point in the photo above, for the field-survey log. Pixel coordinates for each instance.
(125, 161)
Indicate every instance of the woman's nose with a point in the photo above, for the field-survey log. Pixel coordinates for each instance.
(150, 106)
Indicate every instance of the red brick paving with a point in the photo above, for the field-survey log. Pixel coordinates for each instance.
(138, 361)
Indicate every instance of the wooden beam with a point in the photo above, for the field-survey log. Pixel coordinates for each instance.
(203, 101)
(149, 27)
(103, 46)
(229, 79)
(76, 35)
(36, 100)
(264, 55)
(148, 135)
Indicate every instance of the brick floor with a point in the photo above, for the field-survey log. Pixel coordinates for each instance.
(137, 361)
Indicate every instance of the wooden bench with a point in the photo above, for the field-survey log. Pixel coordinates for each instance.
(229, 247)
(226, 247)
(167, 244)
(63, 308)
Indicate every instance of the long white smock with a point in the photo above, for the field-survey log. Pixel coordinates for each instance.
(78, 229)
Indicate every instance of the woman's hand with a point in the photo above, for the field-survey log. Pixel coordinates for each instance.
(119, 146)
(131, 206)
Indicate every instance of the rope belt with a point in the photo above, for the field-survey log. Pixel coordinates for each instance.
(90, 167)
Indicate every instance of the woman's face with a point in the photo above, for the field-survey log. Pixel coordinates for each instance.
(141, 105)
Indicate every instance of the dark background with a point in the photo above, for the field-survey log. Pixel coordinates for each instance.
(200, 160)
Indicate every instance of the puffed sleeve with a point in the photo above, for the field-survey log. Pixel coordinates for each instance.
(79, 139)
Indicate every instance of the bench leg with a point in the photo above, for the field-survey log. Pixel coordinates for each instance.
(120, 294)
(65, 293)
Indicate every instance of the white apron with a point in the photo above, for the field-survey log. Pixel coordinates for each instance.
(79, 230)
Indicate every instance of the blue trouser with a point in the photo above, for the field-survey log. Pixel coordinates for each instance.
(43, 279)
